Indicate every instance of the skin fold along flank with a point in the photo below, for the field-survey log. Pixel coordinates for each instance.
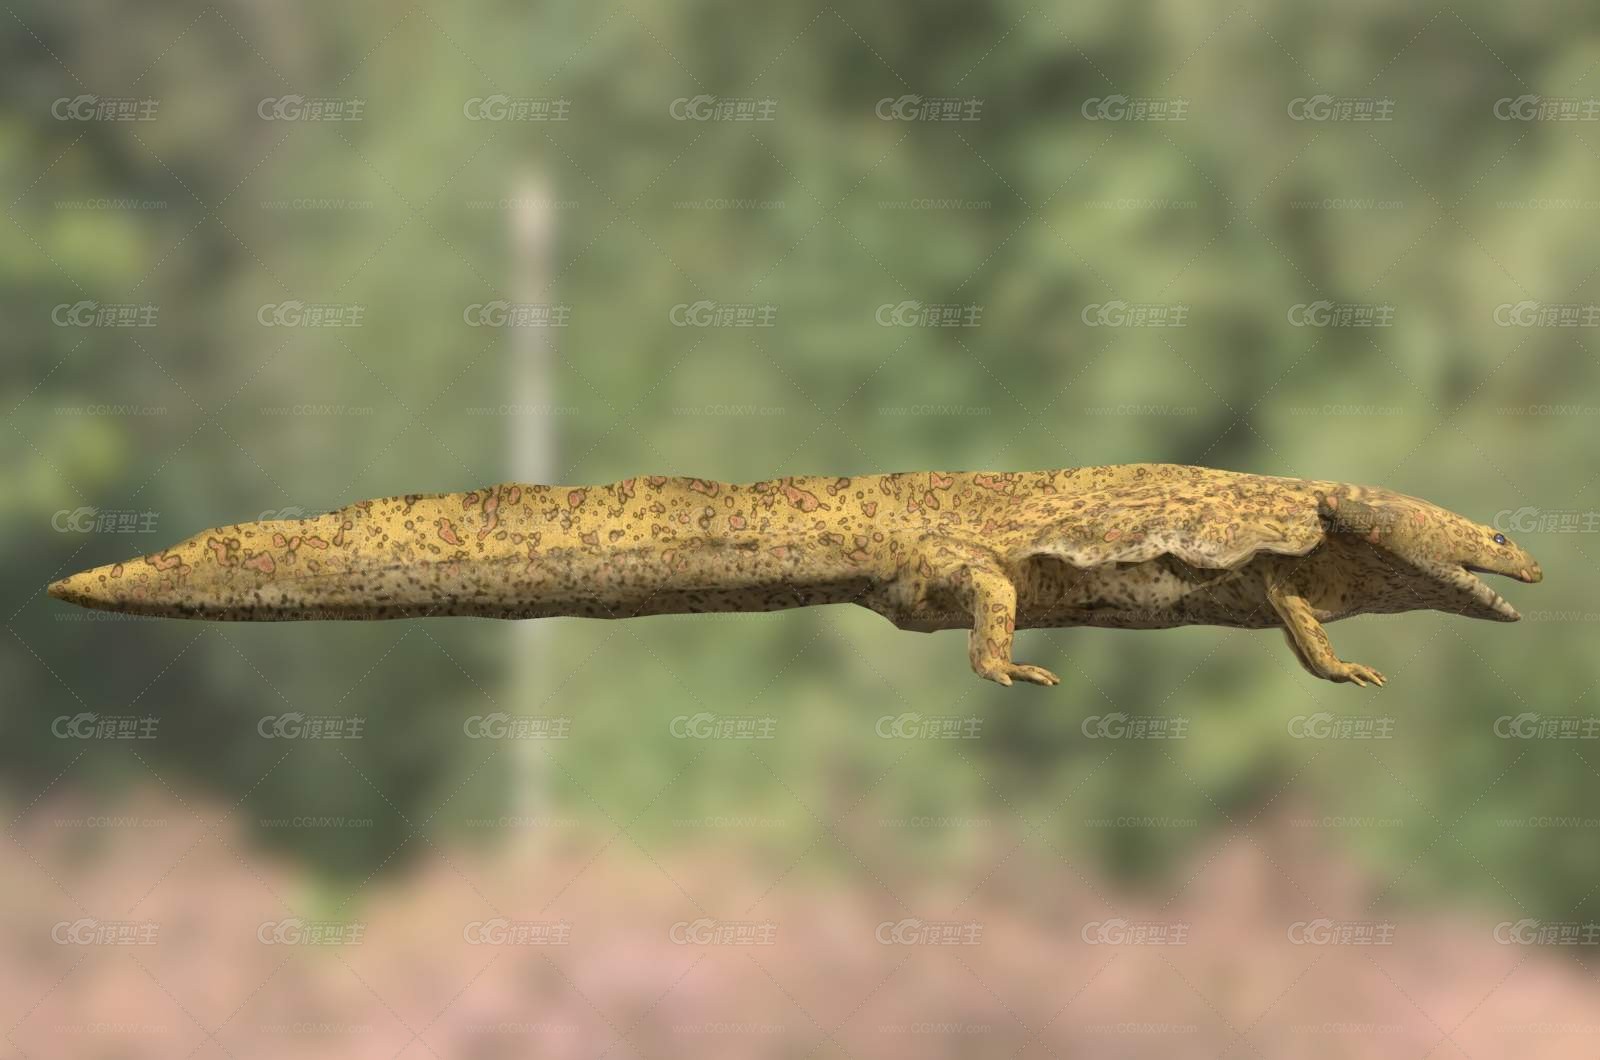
(1137, 546)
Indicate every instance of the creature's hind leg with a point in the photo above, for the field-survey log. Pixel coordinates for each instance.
(984, 591)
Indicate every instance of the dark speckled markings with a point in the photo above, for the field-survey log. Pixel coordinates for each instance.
(1135, 546)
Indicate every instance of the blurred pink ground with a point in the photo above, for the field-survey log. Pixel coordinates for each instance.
(641, 974)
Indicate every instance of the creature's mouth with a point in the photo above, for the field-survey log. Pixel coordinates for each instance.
(1488, 603)
(1523, 575)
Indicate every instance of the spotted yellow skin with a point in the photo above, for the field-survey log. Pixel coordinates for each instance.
(1141, 546)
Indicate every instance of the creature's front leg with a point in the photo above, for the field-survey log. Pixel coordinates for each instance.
(990, 597)
(1310, 641)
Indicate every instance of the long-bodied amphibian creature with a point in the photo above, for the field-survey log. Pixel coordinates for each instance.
(1137, 546)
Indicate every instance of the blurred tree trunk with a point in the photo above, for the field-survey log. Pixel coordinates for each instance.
(530, 435)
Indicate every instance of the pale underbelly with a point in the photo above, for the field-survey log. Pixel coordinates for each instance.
(1156, 594)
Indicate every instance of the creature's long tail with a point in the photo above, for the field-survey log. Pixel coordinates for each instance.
(397, 558)
(638, 547)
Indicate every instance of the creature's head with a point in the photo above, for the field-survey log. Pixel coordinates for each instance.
(1437, 554)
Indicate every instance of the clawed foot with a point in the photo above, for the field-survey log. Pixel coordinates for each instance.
(1004, 673)
(1357, 674)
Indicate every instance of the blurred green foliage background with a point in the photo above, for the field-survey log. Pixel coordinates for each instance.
(1045, 207)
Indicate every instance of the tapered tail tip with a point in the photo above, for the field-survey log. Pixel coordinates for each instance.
(78, 589)
(126, 588)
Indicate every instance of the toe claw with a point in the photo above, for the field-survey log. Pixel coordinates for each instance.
(1360, 676)
(1007, 673)
(1036, 674)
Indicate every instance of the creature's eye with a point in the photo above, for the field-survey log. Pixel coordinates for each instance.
(1499, 539)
